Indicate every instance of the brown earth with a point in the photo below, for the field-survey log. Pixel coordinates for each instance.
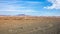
(29, 25)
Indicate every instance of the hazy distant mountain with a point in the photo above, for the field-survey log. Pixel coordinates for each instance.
(21, 15)
(15, 15)
(4, 15)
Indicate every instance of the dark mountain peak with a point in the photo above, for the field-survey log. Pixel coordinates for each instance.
(21, 15)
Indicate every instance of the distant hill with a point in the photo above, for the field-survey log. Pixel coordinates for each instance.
(15, 15)
(4, 15)
(30, 15)
(21, 15)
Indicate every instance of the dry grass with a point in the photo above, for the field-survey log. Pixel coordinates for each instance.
(29, 25)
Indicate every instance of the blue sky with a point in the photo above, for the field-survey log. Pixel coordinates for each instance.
(30, 7)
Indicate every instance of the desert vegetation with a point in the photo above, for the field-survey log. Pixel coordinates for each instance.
(29, 25)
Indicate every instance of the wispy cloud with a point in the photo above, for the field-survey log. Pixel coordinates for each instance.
(55, 4)
(15, 6)
(29, 7)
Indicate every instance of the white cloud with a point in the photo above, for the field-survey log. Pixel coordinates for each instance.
(55, 4)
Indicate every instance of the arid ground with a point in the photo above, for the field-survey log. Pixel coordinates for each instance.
(29, 25)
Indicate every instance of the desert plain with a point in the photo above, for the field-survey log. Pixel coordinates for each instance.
(29, 25)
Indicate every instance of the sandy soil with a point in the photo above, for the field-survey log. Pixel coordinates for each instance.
(29, 25)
